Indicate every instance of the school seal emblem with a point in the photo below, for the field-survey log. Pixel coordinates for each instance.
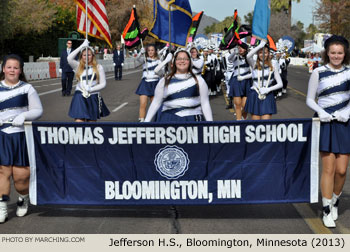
(171, 162)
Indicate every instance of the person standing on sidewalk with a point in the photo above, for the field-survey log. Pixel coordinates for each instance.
(66, 70)
(118, 62)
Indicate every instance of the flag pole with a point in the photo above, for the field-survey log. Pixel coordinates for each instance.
(144, 56)
(169, 6)
(86, 37)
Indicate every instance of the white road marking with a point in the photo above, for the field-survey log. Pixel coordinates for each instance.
(120, 106)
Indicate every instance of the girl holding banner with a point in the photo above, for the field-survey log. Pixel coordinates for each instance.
(261, 103)
(149, 78)
(87, 103)
(182, 95)
(330, 84)
(19, 102)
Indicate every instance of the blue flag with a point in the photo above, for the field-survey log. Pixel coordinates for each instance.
(180, 21)
(261, 19)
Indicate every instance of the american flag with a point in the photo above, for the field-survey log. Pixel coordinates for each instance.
(98, 25)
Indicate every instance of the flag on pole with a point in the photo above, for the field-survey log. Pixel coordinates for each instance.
(131, 33)
(98, 25)
(180, 15)
(195, 24)
(231, 35)
(261, 19)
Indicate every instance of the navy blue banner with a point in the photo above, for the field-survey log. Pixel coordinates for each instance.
(270, 161)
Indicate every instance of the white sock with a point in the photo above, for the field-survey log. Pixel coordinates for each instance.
(326, 202)
(335, 197)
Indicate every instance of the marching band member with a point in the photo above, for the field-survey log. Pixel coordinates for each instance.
(197, 61)
(207, 74)
(330, 85)
(149, 78)
(238, 88)
(261, 102)
(181, 95)
(228, 74)
(213, 64)
(87, 104)
(19, 102)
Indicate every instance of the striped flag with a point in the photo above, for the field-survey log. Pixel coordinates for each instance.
(195, 24)
(131, 33)
(261, 19)
(98, 26)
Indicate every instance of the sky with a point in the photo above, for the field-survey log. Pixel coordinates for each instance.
(220, 9)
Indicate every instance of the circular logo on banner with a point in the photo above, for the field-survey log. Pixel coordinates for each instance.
(171, 162)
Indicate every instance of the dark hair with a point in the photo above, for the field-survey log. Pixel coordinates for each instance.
(155, 50)
(22, 77)
(174, 69)
(336, 40)
(195, 48)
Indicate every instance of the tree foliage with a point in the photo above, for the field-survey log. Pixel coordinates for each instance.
(333, 16)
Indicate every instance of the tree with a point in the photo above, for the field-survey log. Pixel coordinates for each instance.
(4, 26)
(333, 16)
(30, 16)
(285, 6)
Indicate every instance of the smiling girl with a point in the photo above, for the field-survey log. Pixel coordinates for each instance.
(330, 85)
(19, 102)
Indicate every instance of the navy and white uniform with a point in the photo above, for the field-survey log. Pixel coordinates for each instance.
(149, 77)
(333, 93)
(14, 101)
(182, 100)
(241, 68)
(92, 107)
(256, 106)
(197, 65)
(229, 71)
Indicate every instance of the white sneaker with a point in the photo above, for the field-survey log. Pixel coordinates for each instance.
(327, 217)
(328, 221)
(279, 94)
(22, 206)
(3, 211)
(284, 91)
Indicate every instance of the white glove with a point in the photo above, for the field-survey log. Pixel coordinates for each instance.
(169, 57)
(113, 64)
(240, 78)
(324, 116)
(264, 90)
(87, 88)
(122, 64)
(1, 122)
(85, 43)
(60, 70)
(341, 116)
(142, 50)
(19, 120)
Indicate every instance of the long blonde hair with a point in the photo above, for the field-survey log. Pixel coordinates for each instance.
(267, 60)
(81, 67)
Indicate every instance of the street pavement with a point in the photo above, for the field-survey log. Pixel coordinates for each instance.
(123, 103)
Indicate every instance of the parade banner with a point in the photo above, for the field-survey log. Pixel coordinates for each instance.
(270, 161)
